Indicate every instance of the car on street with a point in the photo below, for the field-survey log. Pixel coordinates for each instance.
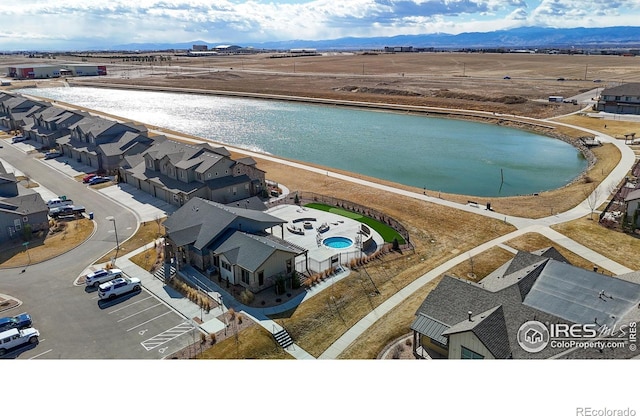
(14, 338)
(88, 177)
(19, 322)
(18, 139)
(101, 276)
(52, 154)
(119, 286)
(98, 179)
(66, 210)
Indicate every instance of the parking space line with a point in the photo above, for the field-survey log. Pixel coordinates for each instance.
(130, 304)
(146, 322)
(167, 336)
(139, 312)
(41, 354)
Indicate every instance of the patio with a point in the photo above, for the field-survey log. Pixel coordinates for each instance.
(309, 228)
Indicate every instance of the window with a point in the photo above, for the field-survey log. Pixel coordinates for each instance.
(225, 265)
(244, 276)
(467, 354)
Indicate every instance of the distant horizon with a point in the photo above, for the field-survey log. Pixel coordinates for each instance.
(48, 25)
(616, 37)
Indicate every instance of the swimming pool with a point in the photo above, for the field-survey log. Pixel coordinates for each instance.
(337, 242)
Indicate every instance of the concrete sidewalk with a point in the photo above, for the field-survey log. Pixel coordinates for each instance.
(212, 321)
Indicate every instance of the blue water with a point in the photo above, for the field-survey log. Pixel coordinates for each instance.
(337, 242)
(434, 153)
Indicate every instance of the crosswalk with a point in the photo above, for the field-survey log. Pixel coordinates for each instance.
(167, 335)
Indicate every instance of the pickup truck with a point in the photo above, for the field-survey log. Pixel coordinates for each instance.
(66, 210)
(58, 202)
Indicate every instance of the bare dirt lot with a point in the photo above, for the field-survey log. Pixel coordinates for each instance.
(453, 80)
(446, 80)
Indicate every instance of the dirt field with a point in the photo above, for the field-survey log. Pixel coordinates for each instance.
(448, 80)
(453, 80)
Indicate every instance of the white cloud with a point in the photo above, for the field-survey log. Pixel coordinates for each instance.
(84, 24)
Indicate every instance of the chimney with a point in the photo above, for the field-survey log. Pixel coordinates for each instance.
(470, 313)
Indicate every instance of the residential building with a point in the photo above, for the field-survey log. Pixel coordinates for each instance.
(623, 99)
(176, 172)
(103, 144)
(22, 210)
(463, 319)
(230, 243)
(16, 110)
(633, 206)
(52, 123)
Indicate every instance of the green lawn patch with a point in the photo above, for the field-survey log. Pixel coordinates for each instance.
(386, 232)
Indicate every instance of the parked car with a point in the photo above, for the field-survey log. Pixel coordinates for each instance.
(52, 154)
(98, 179)
(14, 338)
(88, 177)
(66, 211)
(19, 322)
(58, 202)
(119, 286)
(98, 277)
(18, 139)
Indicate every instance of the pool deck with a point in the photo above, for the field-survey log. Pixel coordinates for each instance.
(339, 226)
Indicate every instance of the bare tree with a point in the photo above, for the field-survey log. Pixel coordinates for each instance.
(592, 200)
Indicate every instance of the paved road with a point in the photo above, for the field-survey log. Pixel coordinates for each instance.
(523, 225)
(72, 321)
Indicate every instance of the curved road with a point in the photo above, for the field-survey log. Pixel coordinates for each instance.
(523, 225)
(47, 287)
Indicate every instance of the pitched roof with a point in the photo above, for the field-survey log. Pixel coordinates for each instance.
(633, 195)
(547, 291)
(490, 328)
(249, 251)
(629, 89)
(200, 222)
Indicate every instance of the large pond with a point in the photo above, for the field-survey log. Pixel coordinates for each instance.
(438, 154)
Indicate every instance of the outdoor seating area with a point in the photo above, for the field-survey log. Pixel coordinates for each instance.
(321, 255)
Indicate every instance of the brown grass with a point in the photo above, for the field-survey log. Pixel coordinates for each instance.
(147, 233)
(617, 246)
(388, 327)
(478, 267)
(253, 342)
(42, 248)
(438, 233)
(534, 241)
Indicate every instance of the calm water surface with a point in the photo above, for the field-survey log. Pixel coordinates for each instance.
(439, 154)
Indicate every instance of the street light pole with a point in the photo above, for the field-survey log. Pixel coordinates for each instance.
(115, 230)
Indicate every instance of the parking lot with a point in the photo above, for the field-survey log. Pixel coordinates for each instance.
(73, 323)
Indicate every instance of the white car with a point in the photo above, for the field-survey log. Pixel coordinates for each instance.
(14, 338)
(98, 277)
(119, 286)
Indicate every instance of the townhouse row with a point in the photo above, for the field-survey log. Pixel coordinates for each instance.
(169, 170)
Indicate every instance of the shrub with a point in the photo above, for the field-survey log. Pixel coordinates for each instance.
(203, 338)
(246, 297)
(212, 339)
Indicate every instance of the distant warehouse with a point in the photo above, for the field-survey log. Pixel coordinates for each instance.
(44, 71)
(34, 71)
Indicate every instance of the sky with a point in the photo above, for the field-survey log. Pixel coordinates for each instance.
(90, 24)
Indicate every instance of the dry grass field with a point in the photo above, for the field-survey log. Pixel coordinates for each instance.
(444, 80)
(64, 236)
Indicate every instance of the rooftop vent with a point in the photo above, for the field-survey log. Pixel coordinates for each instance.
(470, 313)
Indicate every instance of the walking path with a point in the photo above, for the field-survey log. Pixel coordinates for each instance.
(211, 323)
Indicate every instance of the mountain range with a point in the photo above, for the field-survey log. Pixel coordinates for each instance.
(523, 37)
